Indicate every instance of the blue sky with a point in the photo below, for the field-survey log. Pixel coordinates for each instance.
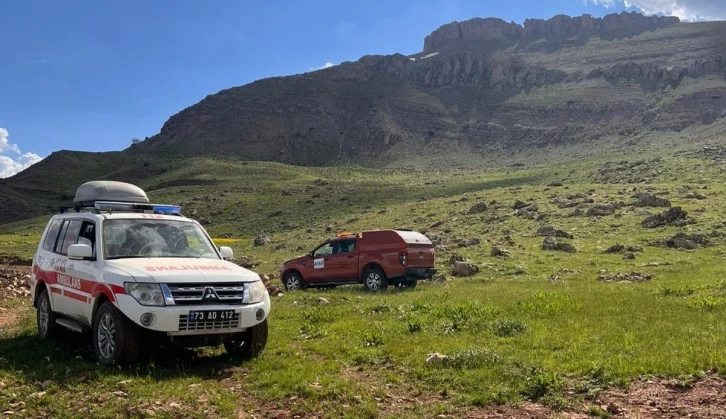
(90, 75)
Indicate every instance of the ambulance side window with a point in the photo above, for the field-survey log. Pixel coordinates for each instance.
(59, 242)
(70, 236)
(50, 238)
(87, 235)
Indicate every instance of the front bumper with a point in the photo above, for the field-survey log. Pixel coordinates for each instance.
(419, 273)
(168, 319)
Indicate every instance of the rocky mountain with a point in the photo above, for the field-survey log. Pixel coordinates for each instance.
(480, 86)
(482, 91)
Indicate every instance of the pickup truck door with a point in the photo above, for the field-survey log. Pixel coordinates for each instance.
(321, 268)
(345, 260)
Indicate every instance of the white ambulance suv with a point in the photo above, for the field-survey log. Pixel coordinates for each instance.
(133, 273)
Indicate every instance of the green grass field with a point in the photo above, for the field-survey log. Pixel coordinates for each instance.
(537, 326)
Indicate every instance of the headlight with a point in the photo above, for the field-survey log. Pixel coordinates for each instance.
(256, 292)
(145, 294)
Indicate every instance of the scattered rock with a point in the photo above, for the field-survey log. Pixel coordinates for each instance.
(436, 358)
(14, 282)
(555, 184)
(519, 204)
(477, 208)
(464, 268)
(564, 202)
(601, 210)
(470, 242)
(550, 231)
(616, 248)
(551, 243)
(323, 300)
(633, 249)
(649, 200)
(673, 216)
(629, 256)
(624, 277)
(500, 253)
(261, 240)
(439, 277)
(686, 241)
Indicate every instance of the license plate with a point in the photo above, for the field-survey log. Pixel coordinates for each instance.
(210, 315)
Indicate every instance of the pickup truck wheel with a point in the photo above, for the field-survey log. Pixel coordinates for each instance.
(45, 317)
(248, 344)
(293, 281)
(375, 280)
(115, 339)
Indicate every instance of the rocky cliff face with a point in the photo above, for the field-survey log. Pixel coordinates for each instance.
(460, 34)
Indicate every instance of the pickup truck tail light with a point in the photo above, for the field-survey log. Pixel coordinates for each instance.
(403, 258)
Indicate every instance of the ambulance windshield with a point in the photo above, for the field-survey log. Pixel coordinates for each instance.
(142, 238)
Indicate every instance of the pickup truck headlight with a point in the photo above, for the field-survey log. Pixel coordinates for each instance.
(145, 294)
(256, 292)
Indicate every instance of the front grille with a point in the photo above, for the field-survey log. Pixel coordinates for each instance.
(188, 294)
(185, 324)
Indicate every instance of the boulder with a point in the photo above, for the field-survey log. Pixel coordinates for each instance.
(551, 243)
(477, 208)
(550, 231)
(687, 241)
(601, 210)
(616, 248)
(464, 268)
(649, 200)
(500, 253)
(261, 240)
(672, 216)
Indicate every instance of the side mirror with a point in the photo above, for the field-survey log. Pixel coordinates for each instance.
(226, 252)
(310, 254)
(79, 251)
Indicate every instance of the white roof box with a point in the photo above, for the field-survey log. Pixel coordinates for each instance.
(108, 190)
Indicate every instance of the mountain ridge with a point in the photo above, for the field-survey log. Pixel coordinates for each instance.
(537, 99)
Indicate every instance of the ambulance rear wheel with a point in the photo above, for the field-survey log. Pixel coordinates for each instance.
(116, 340)
(45, 317)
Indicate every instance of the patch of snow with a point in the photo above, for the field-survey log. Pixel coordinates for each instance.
(412, 59)
(433, 54)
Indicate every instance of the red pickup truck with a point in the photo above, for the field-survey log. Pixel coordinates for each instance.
(375, 258)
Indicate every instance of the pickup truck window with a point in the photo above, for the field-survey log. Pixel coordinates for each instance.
(345, 246)
(324, 250)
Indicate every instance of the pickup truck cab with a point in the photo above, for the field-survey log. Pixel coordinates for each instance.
(132, 273)
(374, 258)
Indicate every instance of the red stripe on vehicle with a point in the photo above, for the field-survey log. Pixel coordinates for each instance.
(55, 290)
(75, 296)
(83, 285)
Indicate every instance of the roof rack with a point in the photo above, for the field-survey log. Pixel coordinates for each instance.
(99, 207)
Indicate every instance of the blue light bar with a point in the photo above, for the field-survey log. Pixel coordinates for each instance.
(167, 209)
(135, 207)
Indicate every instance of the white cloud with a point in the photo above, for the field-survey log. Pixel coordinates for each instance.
(10, 166)
(684, 9)
(326, 65)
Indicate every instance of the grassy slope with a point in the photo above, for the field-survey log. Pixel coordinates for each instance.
(513, 333)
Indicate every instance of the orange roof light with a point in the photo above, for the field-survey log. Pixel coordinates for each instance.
(346, 234)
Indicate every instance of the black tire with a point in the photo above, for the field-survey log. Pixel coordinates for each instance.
(248, 344)
(45, 317)
(125, 345)
(292, 278)
(375, 280)
(408, 284)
